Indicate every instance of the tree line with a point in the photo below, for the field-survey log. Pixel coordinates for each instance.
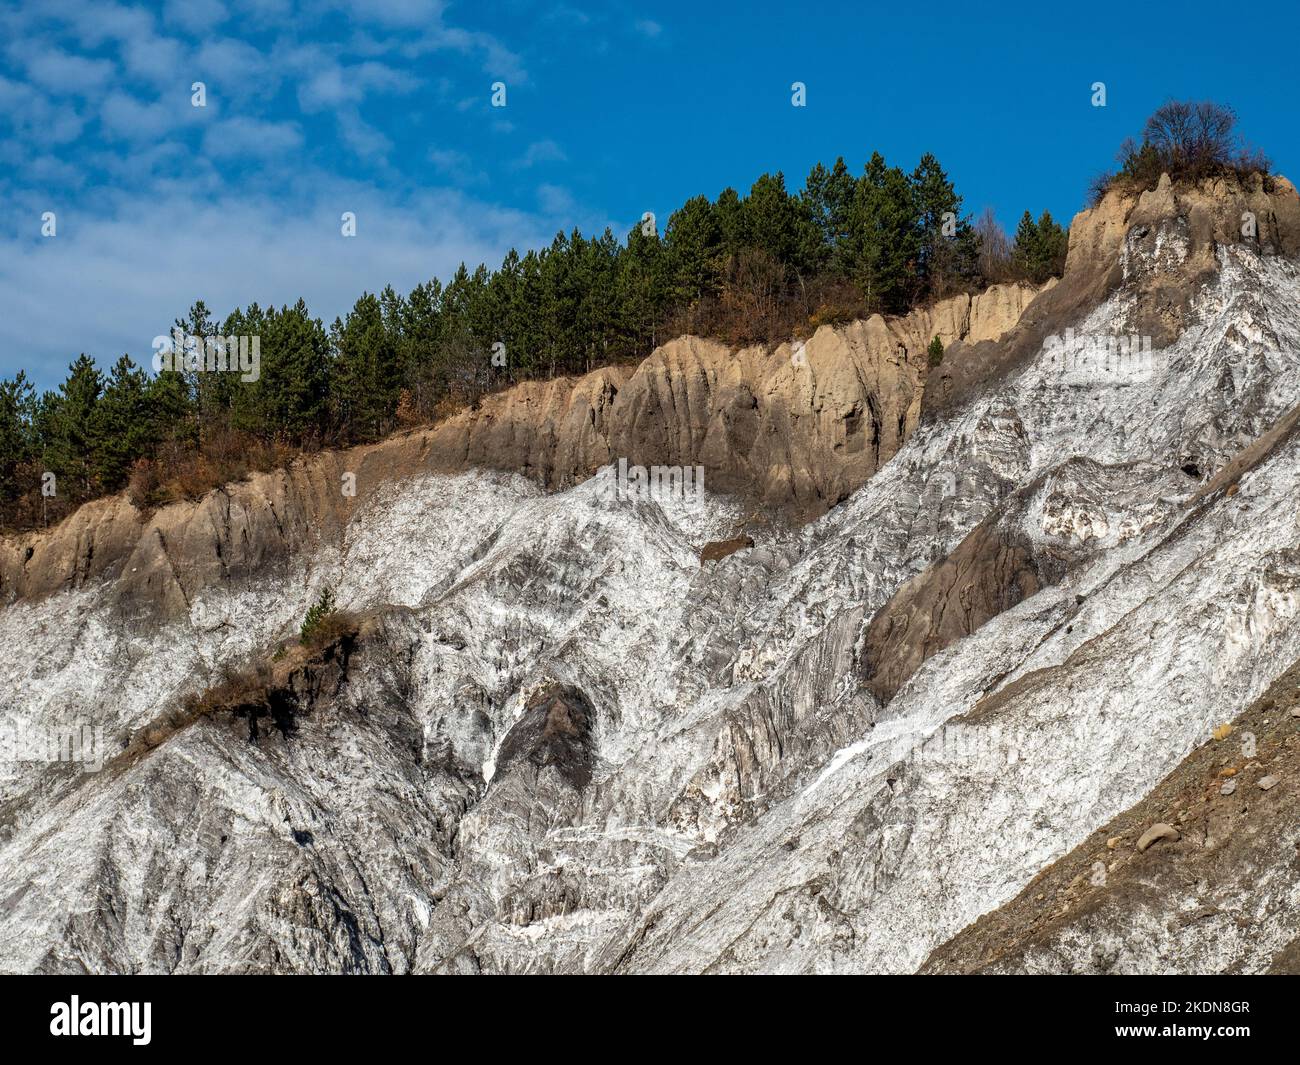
(753, 268)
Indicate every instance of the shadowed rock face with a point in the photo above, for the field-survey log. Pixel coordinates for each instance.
(1030, 541)
(720, 549)
(1163, 245)
(555, 730)
(992, 570)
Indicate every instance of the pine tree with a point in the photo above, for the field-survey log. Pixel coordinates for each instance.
(504, 299)
(318, 614)
(1040, 247)
(597, 316)
(775, 223)
(17, 403)
(884, 238)
(239, 403)
(828, 200)
(728, 210)
(527, 324)
(745, 267)
(949, 260)
(71, 438)
(122, 426)
(1025, 251)
(1054, 241)
(934, 353)
(293, 386)
(213, 393)
(366, 383)
(640, 290)
(171, 407)
(693, 243)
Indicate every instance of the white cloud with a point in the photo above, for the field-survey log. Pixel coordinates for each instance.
(563, 13)
(399, 13)
(243, 137)
(130, 267)
(648, 27)
(455, 165)
(51, 172)
(363, 139)
(497, 60)
(265, 12)
(94, 23)
(158, 60)
(555, 200)
(194, 15)
(161, 203)
(61, 72)
(545, 151)
(129, 118)
(330, 84)
(235, 68)
(34, 117)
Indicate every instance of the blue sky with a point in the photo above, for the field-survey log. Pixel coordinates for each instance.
(382, 108)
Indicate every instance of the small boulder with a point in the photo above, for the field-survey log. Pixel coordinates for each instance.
(1267, 782)
(1229, 786)
(719, 549)
(1156, 832)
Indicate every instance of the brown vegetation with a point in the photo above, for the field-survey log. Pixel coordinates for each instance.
(1189, 142)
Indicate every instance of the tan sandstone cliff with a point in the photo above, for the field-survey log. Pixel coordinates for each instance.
(1105, 242)
(797, 428)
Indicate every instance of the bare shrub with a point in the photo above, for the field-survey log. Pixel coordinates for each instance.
(1189, 141)
(995, 258)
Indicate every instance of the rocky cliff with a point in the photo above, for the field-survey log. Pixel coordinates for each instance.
(797, 428)
(1031, 587)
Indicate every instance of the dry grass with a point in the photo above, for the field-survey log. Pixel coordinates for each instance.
(180, 473)
(334, 627)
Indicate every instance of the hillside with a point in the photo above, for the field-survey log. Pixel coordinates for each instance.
(991, 610)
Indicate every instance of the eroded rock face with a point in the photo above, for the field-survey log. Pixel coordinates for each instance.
(794, 430)
(720, 549)
(751, 804)
(1163, 245)
(1032, 539)
(991, 571)
(556, 732)
(1212, 895)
